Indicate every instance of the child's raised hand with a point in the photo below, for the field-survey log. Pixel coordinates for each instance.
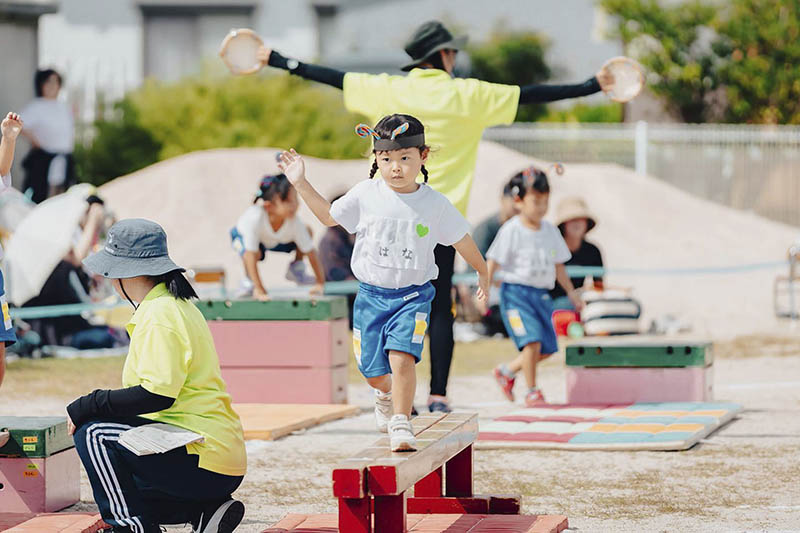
(11, 126)
(293, 166)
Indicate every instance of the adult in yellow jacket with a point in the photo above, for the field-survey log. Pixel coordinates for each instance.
(171, 375)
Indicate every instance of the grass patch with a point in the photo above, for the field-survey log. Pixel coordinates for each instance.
(469, 359)
(757, 346)
(64, 379)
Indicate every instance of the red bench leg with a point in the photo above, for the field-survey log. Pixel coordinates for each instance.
(390, 514)
(458, 474)
(355, 515)
(430, 486)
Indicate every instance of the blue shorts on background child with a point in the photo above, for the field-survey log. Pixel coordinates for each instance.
(398, 223)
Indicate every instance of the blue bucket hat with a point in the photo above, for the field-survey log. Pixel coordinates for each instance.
(134, 247)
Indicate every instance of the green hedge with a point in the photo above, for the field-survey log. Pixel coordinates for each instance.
(159, 121)
(611, 112)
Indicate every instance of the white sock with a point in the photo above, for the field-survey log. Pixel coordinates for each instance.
(383, 395)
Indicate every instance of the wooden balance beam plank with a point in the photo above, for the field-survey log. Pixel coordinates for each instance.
(349, 476)
(375, 481)
(448, 441)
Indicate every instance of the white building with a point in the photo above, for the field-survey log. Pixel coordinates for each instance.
(19, 26)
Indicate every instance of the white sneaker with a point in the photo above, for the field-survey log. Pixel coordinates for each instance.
(402, 438)
(383, 410)
(297, 273)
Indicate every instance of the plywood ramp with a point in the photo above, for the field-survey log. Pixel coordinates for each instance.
(269, 421)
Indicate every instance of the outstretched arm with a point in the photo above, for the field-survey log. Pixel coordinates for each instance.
(532, 94)
(326, 75)
(293, 166)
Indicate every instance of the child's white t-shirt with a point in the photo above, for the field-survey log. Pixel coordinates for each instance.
(52, 124)
(396, 233)
(527, 256)
(255, 229)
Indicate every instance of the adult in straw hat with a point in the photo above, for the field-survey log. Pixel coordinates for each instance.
(455, 112)
(171, 375)
(574, 220)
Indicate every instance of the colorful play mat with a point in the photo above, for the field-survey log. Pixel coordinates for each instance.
(640, 426)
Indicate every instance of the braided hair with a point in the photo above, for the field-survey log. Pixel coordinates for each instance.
(387, 125)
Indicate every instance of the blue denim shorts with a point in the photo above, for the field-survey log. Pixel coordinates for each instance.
(389, 319)
(527, 314)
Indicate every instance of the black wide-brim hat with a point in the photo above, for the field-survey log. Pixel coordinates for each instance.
(429, 39)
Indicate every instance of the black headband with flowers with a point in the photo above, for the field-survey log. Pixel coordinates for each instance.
(394, 142)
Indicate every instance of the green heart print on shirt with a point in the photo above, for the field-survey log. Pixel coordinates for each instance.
(422, 230)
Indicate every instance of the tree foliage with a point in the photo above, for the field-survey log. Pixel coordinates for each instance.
(159, 121)
(516, 58)
(734, 61)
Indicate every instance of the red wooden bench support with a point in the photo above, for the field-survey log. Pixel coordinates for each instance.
(355, 514)
(458, 474)
(431, 485)
(390, 514)
(372, 486)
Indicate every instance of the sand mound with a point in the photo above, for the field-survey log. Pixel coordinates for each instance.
(642, 223)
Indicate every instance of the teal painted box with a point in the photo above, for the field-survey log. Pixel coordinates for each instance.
(650, 352)
(35, 436)
(323, 308)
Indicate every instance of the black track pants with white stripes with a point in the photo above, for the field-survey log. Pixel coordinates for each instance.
(142, 492)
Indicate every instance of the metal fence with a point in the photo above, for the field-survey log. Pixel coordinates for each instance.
(753, 168)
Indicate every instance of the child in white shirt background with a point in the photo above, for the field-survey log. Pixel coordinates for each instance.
(529, 253)
(397, 222)
(271, 224)
(10, 128)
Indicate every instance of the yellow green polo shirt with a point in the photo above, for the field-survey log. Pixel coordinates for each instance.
(172, 354)
(454, 112)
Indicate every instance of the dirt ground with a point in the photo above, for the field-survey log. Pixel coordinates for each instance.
(742, 478)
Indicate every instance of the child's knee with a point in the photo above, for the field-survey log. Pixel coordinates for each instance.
(533, 350)
(382, 383)
(401, 359)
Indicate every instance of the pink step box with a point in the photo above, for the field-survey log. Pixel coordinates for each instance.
(277, 361)
(40, 485)
(590, 385)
